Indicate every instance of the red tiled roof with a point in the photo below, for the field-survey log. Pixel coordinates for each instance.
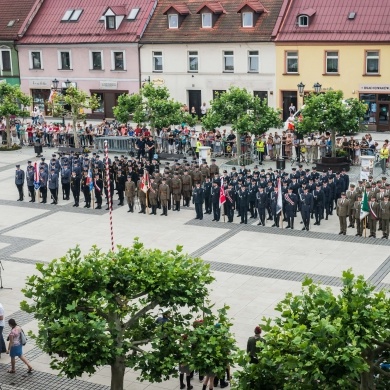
(18, 11)
(118, 10)
(181, 9)
(255, 5)
(308, 12)
(331, 23)
(213, 6)
(47, 28)
(227, 28)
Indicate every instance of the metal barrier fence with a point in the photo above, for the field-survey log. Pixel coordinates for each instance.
(116, 144)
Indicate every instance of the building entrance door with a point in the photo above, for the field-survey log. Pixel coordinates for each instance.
(383, 116)
(195, 100)
(288, 98)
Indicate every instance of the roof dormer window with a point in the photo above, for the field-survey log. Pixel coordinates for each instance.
(110, 22)
(303, 21)
(72, 15)
(247, 19)
(173, 21)
(207, 20)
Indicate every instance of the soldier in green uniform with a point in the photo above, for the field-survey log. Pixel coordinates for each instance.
(356, 213)
(373, 216)
(164, 196)
(130, 193)
(141, 197)
(176, 191)
(186, 181)
(342, 210)
(384, 214)
(153, 195)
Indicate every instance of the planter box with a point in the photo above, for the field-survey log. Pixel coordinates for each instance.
(336, 164)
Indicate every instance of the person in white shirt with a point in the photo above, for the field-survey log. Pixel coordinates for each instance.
(203, 109)
(3, 348)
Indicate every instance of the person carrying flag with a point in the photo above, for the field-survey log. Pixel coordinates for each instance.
(215, 193)
(373, 216)
(357, 209)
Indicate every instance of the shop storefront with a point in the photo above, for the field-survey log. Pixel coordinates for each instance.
(40, 92)
(377, 98)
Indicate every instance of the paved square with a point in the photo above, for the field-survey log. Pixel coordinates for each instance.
(254, 266)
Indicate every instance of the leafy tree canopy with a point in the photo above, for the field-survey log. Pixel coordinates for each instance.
(324, 341)
(13, 102)
(330, 112)
(153, 105)
(243, 111)
(97, 309)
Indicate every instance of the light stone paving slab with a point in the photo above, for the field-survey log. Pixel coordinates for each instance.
(298, 254)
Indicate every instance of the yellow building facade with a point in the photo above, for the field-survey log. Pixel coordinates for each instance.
(341, 48)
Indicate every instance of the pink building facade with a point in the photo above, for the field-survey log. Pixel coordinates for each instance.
(93, 45)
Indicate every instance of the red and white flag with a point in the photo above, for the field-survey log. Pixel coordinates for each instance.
(145, 182)
(222, 197)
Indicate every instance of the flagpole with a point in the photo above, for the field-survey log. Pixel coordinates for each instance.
(365, 227)
(147, 203)
(109, 194)
(93, 198)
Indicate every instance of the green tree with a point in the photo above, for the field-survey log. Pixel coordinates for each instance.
(12, 102)
(97, 309)
(330, 112)
(153, 105)
(207, 346)
(324, 341)
(243, 112)
(73, 102)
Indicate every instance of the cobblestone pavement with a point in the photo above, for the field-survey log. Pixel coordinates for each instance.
(254, 266)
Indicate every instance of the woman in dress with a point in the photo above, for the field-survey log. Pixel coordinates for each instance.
(15, 347)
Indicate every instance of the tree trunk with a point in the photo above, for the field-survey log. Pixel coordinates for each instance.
(76, 138)
(118, 373)
(367, 381)
(333, 139)
(8, 131)
(238, 142)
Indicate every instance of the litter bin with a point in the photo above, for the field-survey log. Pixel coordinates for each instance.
(280, 164)
(38, 149)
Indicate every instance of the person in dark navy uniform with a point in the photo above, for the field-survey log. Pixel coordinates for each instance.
(215, 201)
(19, 181)
(243, 203)
(230, 196)
(261, 204)
(207, 195)
(291, 202)
(318, 204)
(306, 208)
(30, 176)
(198, 199)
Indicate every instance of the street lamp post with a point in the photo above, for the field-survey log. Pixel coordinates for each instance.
(317, 87)
(55, 83)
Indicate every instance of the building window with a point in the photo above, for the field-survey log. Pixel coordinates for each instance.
(228, 61)
(372, 62)
(207, 20)
(253, 61)
(110, 22)
(292, 62)
(173, 21)
(218, 92)
(303, 21)
(118, 58)
(65, 60)
(247, 19)
(72, 15)
(157, 61)
(6, 60)
(96, 60)
(100, 96)
(193, 61)
(332, 62)
(261, 94)
(36, 61)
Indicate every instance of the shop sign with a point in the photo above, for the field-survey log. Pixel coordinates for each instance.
(374, 88)
(158, 82)
(38, 84)
(108, 85)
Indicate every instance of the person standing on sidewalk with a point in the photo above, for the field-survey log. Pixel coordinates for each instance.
(15, 347)
(3, 348)
(384, 156)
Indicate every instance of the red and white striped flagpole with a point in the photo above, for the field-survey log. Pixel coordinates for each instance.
(109, 193)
